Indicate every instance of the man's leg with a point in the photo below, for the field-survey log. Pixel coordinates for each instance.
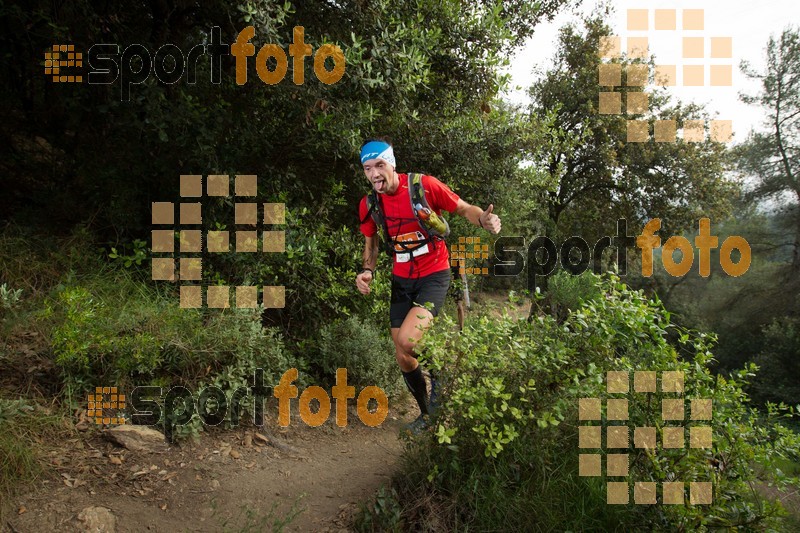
(405, 339)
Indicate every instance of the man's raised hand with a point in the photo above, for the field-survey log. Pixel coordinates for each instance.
(489, 221)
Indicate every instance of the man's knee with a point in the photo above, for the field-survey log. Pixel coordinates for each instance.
(406, 361)
(405, 345)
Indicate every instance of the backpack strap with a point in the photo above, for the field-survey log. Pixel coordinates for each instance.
(434, 225)
(375, 211)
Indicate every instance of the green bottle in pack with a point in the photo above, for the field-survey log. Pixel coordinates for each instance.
(431, 219)
(432, 223)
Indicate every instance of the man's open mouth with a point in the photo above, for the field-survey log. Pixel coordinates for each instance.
(378, 184)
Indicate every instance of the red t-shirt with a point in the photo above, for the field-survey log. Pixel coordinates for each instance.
(403, 225)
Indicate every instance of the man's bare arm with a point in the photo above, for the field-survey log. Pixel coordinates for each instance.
(370, 256)
(369, 261)
(483, 218)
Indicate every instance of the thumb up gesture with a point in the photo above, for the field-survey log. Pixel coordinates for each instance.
(489, 221)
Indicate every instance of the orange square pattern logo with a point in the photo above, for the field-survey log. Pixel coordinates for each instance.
(606, 441)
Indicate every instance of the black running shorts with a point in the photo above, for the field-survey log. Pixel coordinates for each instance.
(415, 292)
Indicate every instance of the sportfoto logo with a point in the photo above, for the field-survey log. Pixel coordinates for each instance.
(169, 63)
(193, 240)
(670, 433)
(149, 405)
(698, 51)
(575, 254)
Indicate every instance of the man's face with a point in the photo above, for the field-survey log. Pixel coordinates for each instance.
(379, 173)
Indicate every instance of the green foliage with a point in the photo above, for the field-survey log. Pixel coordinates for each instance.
(111, 329)
(778, 364)
(594, 176)
(739, 310)
(22, 426)
(570, 291)
(81, 332)
(383, 513)
(138, 254)
(502, 375)
(9, 304)
(365, 350)
(9, 297)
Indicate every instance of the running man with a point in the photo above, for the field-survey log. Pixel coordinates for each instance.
(414, 236)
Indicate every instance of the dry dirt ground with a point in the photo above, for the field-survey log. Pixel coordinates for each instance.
(225, 481)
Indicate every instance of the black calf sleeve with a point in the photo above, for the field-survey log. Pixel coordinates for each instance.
(416, 385)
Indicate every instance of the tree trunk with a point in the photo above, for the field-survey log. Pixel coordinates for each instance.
(796, 250)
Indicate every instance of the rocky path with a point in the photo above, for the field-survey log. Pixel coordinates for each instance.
(225, 481)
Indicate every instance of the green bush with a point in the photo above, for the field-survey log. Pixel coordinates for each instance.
(23, 424)
(110, 329)
(318, 269)
(364, 350)
(777, 361)
(571, 291)
(487, 462)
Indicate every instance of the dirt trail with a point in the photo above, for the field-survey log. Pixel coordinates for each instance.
(220, 482)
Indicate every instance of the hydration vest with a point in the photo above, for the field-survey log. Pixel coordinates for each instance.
(434, 226)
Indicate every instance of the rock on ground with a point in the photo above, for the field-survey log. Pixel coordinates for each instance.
(97, 520)
(136, 438)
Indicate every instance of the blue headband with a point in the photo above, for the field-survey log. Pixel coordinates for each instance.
(378, 150)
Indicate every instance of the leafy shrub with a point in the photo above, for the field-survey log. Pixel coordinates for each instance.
(570, 291)
(318, 269)
(383, 513)
(110, 329)
(364, 350)
(9, 297)
(488, 464)
(777, 361)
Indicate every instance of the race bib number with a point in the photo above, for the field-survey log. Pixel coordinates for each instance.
(403, 256)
